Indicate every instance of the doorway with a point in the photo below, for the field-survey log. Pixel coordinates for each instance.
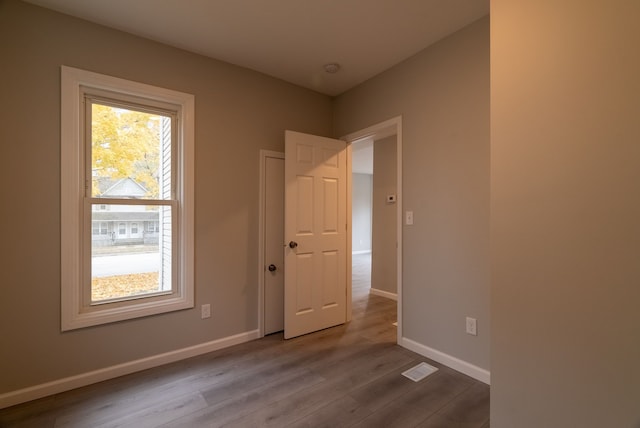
(374, 214)
(379, 131)
(272, 207)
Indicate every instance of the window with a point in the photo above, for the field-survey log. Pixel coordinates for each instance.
(127, 159)
(152, 227)
(99, 228)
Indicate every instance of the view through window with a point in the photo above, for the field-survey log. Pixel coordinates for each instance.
(131, 187)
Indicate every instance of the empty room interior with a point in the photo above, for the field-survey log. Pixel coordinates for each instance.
(491, 230)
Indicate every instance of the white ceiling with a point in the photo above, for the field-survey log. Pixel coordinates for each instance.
(289, 39)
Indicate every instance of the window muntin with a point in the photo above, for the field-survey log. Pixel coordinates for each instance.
(115, 214)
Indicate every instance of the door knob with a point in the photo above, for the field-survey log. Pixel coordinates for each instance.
(293, 244)
(272, 268)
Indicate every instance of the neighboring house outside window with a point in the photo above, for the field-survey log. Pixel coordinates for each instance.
(137, 217)
(99, 228)
(127, 247)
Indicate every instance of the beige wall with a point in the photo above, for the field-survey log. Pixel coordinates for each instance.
(384, 274)
(361, 212)
(442, 94)
(238, 112)
(565, 124)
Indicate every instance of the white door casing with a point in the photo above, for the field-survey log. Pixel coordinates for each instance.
(316, 229)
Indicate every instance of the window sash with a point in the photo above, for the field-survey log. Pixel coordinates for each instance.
(166, 194)
(91, 96)
(88, 205)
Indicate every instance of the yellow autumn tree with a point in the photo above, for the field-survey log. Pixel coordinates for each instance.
(125, 143)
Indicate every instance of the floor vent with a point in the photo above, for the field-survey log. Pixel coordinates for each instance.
(419, 372)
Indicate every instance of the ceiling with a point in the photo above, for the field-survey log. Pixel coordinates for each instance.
(289, 39)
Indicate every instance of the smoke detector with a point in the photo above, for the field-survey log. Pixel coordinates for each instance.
(332, 68)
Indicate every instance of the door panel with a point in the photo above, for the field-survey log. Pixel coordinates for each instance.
(304, 295)
(330, 197)
(330, 280)
(315, 219)
(304, 206)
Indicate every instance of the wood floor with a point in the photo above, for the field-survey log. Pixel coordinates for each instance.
(346, 376)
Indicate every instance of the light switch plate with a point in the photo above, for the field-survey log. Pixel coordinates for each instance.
(408, 218)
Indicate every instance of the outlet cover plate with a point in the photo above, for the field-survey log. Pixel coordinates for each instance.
(472, 326)
(205, 311)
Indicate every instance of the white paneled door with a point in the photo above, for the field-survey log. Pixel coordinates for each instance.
(315, 233)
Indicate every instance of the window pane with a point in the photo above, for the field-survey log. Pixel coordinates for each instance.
(134, 261)
(130, 153)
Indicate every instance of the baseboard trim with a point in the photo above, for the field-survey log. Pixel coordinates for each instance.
(382, 293)
(457, 364)
(61, 385)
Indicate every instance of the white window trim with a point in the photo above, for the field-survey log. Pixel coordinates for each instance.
(74, 315)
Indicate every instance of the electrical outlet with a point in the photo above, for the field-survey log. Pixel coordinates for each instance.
(472, 326)
(205, 311)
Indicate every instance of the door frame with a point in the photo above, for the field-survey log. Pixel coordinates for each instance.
(378, 131)
(264, 154)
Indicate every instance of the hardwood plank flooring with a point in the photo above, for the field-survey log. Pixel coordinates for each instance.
(346, 376)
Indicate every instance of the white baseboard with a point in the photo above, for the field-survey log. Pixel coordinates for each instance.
(38, 391)
(462, 366)
(382, 293)
(361, 252)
